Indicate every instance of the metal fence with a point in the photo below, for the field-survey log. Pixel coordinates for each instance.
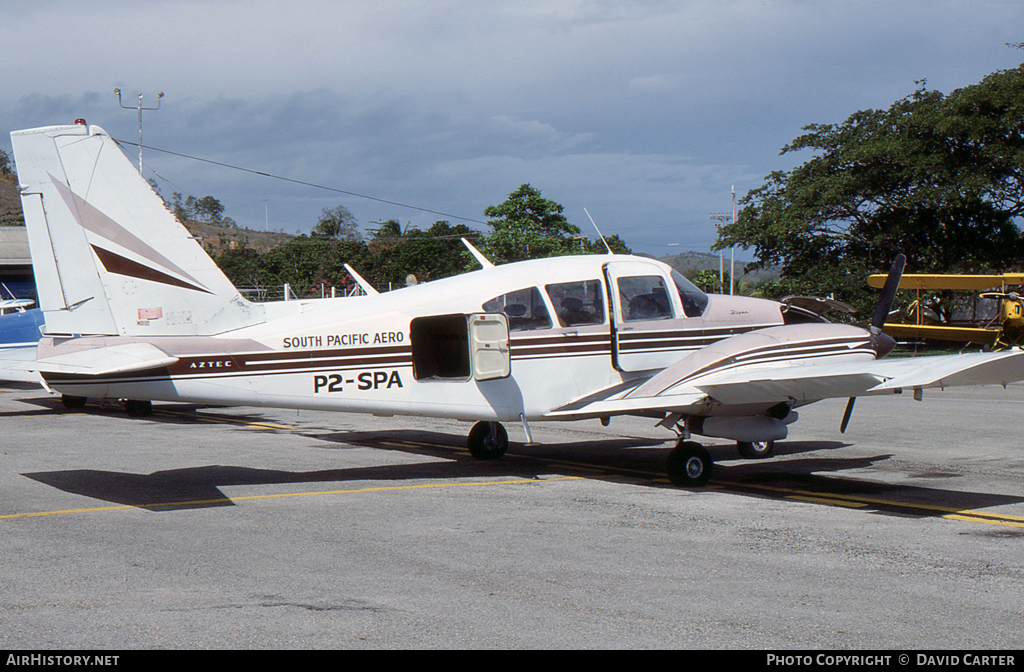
(285, 293)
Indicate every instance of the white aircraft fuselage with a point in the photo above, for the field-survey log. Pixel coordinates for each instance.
(365, 354)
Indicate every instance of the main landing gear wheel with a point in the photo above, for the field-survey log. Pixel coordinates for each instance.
(138, 409)
(689, 465)
(756, 450)
(488, 440)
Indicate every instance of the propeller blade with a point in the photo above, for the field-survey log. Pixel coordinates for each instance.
(846, 415)
(892, 282)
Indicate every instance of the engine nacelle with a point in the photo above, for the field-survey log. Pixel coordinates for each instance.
(744, 428)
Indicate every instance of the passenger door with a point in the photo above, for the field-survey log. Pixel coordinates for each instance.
(647, 327)
(489, 346)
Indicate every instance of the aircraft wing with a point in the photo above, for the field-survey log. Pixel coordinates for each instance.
(804, 382)
(979, 368)
(688, 402)
(807, 382)
(107, 360)
(925, 281)
(941, 333)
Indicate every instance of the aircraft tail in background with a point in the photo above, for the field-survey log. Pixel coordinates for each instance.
(109, 258)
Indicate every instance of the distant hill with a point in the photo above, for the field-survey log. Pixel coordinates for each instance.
(214, 239)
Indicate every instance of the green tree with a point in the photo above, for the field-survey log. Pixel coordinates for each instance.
(435, 253)
(527, 225)
(243, 267)
(708, 280)
(307, 262)
(388, 230)
(337, 223)
(615, 243)
(938, 178)
(5, 163)
(207, 209)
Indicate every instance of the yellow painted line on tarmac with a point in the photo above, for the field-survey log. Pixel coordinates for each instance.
(829, 501)
(222, 420)
(244, 498)
(861, 502)
(420, 444)
(990, 519)
(446, 446)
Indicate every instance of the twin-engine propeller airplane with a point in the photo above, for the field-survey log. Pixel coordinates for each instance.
(136, 310)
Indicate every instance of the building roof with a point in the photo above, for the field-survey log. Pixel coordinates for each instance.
(14, 246)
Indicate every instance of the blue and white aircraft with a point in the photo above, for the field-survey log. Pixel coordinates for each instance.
(20, 331)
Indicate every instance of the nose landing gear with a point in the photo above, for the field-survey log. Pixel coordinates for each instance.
(488, 440)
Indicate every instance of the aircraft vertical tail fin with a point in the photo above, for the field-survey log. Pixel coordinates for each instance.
(108, 256)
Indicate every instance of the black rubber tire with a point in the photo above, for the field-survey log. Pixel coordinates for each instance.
(482, 446)
(756, 450)
(689, 465)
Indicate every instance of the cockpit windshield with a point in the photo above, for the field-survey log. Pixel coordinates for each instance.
(694, 300)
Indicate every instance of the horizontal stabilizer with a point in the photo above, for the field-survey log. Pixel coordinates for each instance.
(18, 364)
(108, 360)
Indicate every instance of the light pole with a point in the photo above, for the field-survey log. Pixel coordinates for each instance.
(140, 108)
(721, 217)
(732, 264)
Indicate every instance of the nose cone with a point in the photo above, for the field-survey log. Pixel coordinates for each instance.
(882, 344)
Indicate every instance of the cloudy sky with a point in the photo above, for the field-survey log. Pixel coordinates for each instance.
(646, 113)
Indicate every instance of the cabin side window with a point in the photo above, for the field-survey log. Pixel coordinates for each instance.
(694, 300)
(644, 297)
(577, 303)
(524, 309)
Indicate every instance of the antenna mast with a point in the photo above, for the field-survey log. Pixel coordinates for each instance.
(140, 108)
(598, 232)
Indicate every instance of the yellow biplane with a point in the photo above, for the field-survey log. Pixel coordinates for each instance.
(1004, 330)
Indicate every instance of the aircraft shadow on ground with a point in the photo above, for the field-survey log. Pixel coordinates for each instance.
(635, 460)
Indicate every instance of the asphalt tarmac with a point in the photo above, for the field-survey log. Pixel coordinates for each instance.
(251, 528)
